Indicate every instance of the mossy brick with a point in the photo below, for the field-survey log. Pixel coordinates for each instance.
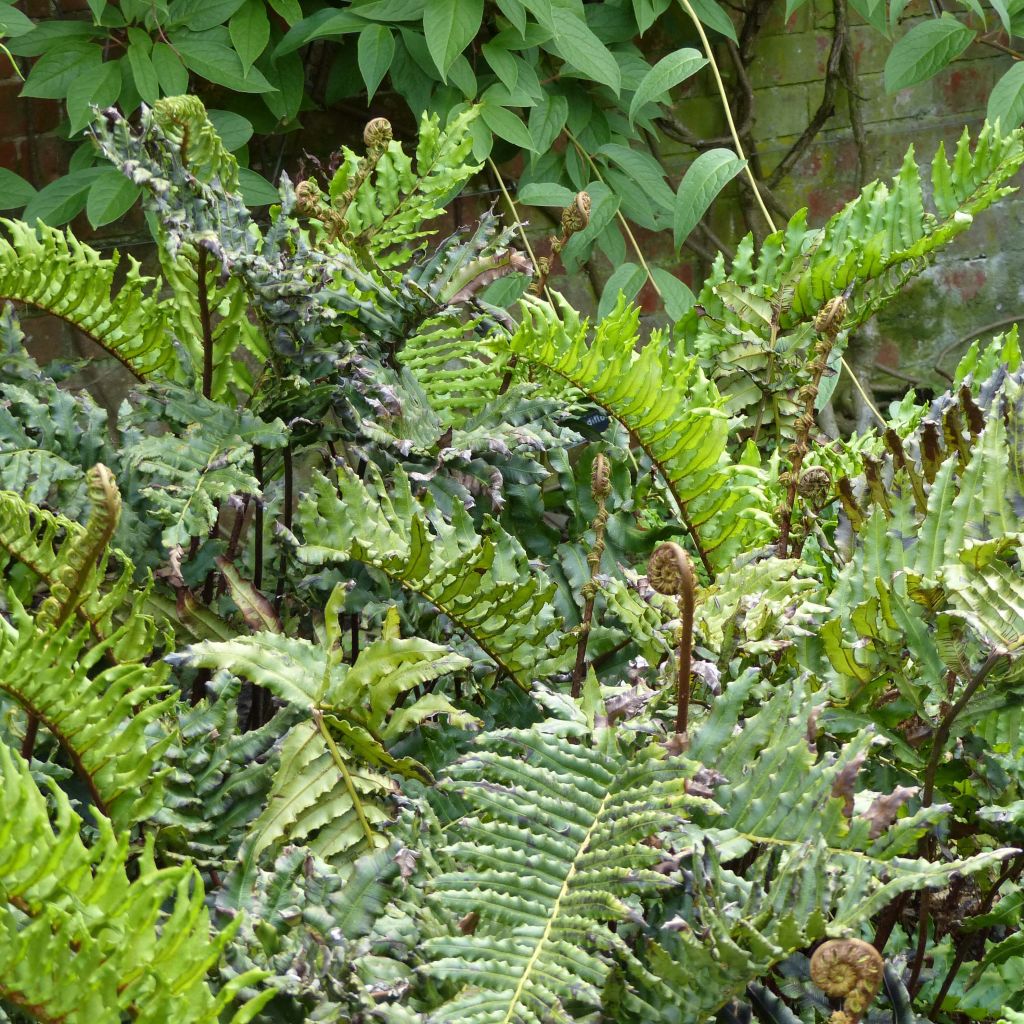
(870, 49)
(703, 116)
(789, 59)
(880, 107)
(964, 87)
(780, 112)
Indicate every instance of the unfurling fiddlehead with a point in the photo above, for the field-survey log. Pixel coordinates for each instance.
(575, 217)
(600, 488)
(827, 323)
(670, 572)
(851, 970)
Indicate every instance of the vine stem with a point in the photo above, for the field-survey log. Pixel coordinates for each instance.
(688, 7)
(618, 213)
(519, 221)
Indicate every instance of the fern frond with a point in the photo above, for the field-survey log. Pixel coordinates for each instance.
(661, 396)
(185, 474)
(82, 940)
(99, 716)
(385, 199)
(481, 581)
(331, 791)
(551, 859)
(49, 269)
(219, 778)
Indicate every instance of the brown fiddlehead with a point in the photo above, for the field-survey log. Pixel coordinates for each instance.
(670, 572)
(851, 970)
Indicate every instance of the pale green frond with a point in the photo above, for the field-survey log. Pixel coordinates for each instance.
(49, 269)
(87, 939)
(386, 198)
(551, 858)
(659, 394)
(482, 581)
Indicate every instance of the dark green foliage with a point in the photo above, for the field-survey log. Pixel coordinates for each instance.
(291, 671)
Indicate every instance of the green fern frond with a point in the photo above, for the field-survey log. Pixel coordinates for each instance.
(385, 199)
(100, 716)
(674, 412)
(84, 941)
(481, 581)
(331, 791)
(49, 269)
(551, 859)
(73, 561)
(219, 778)
(184, 476)
(184, 123)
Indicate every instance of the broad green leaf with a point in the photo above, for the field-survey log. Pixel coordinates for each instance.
(712, 15)
(219, 64)
(544, 194)
(449, 26)
(391, 10)
(13, 23)
(249, 29)
(547, 120)
(1000, 7)
(323, 25)
(704, 179)
(110, 196)
(792, 6)
(627, 279)
(873, 12)
(56, 70)
(675, 294)
(62, 199)
(506, 125)
(143, 73)
(256, 190)
(925, 50)
(200, 15)
(647, 12)
(667, 73)
(99, 86)
(515, 12)
(287, 76)
(290, 10)
(580, 48)
(234, 130)
(15, 191)
(376, 50)
(1006, 102)
(503, 64)
(170, 72)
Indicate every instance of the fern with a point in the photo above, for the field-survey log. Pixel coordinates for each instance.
(481, 581)
(663, 398)
(73, 561)
(754, 321)
(550, 859)
(332, 791)
(51, 270)
(83, 937)
(186, 473)
(384, 200)
(933, 585)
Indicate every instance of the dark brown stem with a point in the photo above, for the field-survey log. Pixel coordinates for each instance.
(1011, 872)
(685, 652)
(600, 488)
(28, 744)
(257, 554)
(204, 317)
(287, 516)
(922, 944)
